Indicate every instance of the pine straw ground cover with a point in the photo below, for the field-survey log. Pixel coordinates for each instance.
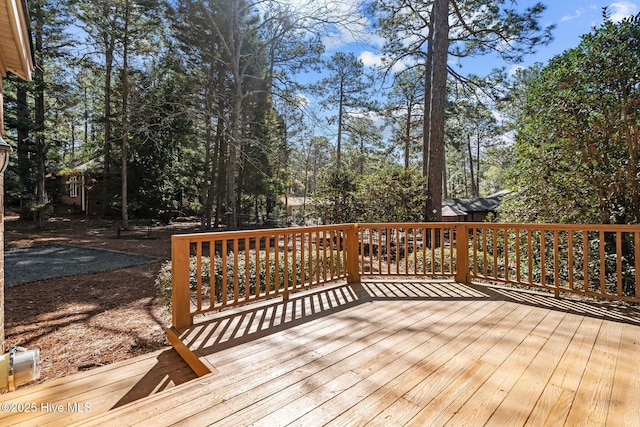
(88, 320)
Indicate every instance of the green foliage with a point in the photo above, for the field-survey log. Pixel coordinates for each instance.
(428, 261)
(278, 275)
(577, 150)
(393, 194)
(337, 198)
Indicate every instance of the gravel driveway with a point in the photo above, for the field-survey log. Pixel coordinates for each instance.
(46, 262)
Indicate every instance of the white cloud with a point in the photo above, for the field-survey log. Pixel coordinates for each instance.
(622, 9)
(370, 59)
(302, 100)
(577, 14)
(514, 69)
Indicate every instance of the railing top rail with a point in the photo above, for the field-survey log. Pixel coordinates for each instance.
(566, 227)
(515, 226)
(407, 224)
(220, 235)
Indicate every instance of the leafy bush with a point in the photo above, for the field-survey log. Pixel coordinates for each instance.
(301, 276)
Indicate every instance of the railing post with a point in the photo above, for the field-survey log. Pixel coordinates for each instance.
(353, 266)
(180, 294)
(462, 253)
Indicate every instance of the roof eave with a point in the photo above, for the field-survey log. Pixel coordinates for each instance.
(16, 51)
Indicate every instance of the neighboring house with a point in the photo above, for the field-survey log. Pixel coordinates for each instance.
(452, 214)
(80, 186)
(296, 205)
(471, 210)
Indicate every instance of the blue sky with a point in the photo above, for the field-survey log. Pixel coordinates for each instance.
(572, 18)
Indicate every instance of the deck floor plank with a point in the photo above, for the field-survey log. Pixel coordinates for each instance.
(593, 397)
(298, 353)
(473, 368)
(473, 406)
(386, 353)
(395, 342)
(387, 362)
(434, 371)
(101, 389)
(336, 349)
(626, 380)
(517, 407)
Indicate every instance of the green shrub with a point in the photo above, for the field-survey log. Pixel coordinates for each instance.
(302, 275)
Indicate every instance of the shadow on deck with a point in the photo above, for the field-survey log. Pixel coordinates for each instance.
(395, 352)
(220, 331)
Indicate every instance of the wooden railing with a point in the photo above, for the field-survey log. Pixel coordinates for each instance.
(424, 249)
(590, 260)
(214, 271)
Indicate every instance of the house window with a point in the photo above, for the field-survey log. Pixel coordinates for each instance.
(73, 186)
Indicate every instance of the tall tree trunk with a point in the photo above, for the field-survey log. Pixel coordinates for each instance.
(474, 190)
(231, 209)
(125, 118)
(436, 116)
(478, 166)
(339, 145)
(205, 189)
(39, 135)
(426, 127)
(407, 136)
(220, 157)
(106, 150)
(24, 163)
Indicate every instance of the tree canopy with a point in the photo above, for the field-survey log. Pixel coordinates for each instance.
(213, 108)
(578, 148)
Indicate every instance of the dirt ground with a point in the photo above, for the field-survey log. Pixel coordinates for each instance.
(89, 320)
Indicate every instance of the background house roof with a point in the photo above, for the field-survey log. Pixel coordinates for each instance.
(15, 42)
(476, 204)
(451, 211)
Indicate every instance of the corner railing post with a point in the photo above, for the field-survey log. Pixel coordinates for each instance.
(180, 298)
(353, 268)
(462, 253)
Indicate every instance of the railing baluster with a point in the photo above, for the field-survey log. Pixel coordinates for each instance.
(247, 269)
(294, 259)
(517, 245)
(324, 253)
(602, 263)
(619, 263)
(310, 258)
(474, 236)
(585, 261)
(424, 250)
(636, 257)
(267, 265)
(199, 277)
(379, 248)
(276, 263)
(556, 253)
(287, 236)
(212, 265)
(506, 253)
(570, 260)
(224, 285)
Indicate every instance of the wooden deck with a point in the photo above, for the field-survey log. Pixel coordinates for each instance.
(91, 393)
(402, 353)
